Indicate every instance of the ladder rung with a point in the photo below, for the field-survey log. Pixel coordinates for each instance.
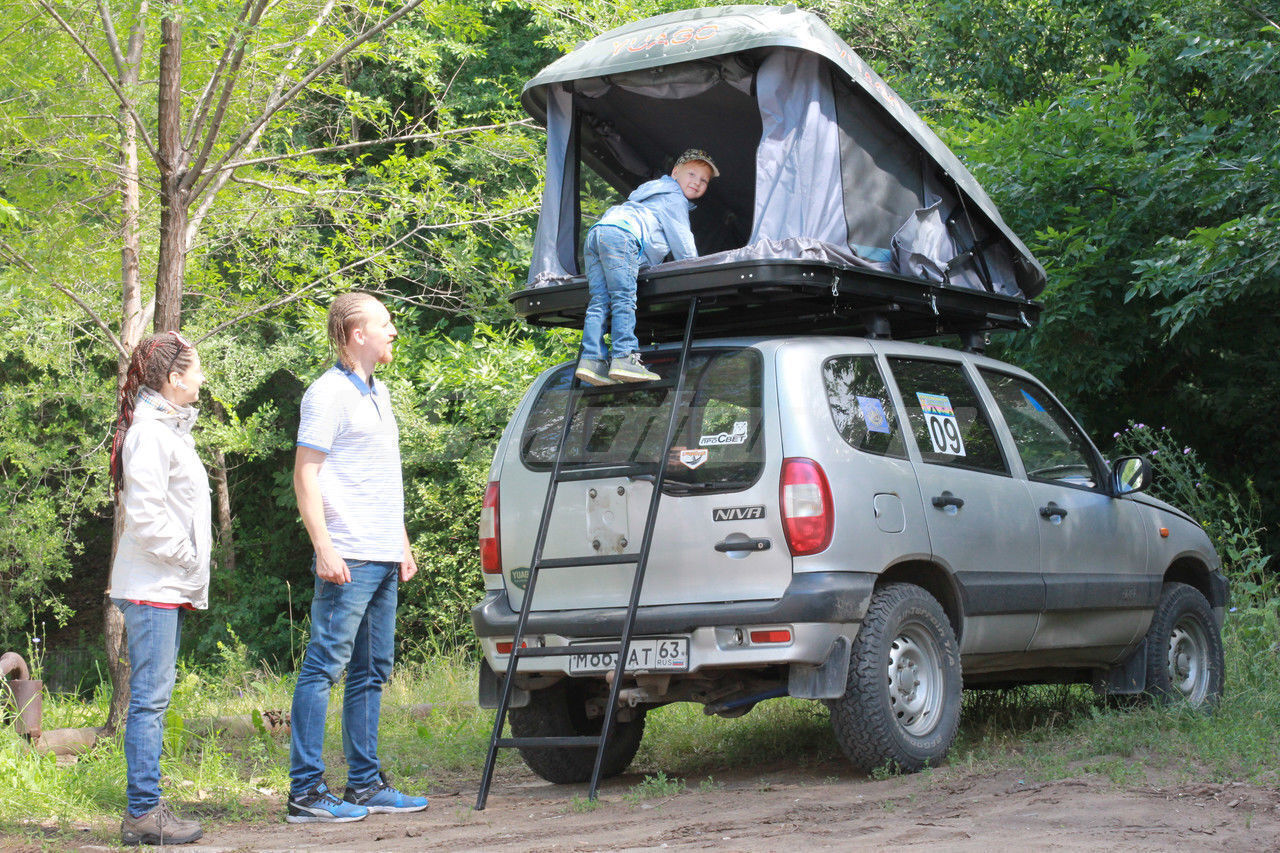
(577, 473)
(597, 560)
(597, 390)
(585, 740)
(564, 651)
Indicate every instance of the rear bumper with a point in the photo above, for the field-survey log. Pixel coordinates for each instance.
(817, 609)
(822, 597)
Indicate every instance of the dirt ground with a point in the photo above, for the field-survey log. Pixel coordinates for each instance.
(797, 809)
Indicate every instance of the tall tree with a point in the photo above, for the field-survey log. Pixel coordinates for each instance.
(198, 87)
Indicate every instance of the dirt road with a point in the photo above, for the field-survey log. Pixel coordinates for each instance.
(790, 809)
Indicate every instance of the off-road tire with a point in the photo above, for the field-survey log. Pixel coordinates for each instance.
(1184, 649)
(883, 720)
(560, 711)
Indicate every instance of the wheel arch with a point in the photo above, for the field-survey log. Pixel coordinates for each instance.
(934, 580)
(1194, 573)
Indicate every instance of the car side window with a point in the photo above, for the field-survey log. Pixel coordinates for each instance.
(1051, 446)
(946, 418)
(861, 406)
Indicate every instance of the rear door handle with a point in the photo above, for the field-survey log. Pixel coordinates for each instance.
(1053, 511)
(725, 546)
(947, 499)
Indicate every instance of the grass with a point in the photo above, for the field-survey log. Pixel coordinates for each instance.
(654, 787)
(1044, 732)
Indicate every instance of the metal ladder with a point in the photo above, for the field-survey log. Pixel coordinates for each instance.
(561, 473)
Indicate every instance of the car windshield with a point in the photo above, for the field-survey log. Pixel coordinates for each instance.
(718, 443)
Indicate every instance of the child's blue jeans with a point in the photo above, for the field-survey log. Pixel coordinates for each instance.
(613, 261)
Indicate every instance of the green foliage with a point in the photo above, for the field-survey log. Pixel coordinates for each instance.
(1146, 183)
(653, 787)
(1230, 515)
(454, 396)
(53, 425)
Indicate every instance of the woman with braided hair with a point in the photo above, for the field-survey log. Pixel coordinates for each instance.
(161, 565)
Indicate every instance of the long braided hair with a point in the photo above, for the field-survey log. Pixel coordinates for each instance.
(152, 362)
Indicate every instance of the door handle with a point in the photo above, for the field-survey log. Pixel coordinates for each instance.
(725, 546)
(947, 499)
(1053, 511)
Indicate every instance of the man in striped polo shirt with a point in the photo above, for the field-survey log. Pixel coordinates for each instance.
(351, 498)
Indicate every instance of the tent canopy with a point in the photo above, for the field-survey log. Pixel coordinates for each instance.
(812, 145)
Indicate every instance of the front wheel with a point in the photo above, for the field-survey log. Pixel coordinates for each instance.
(1184, 649)
(561, 711)
(901, 706)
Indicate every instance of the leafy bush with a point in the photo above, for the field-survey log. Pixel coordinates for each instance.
(1231, 517)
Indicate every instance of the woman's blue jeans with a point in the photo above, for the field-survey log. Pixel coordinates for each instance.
(353, 627)
(153, 635)
(613, 261)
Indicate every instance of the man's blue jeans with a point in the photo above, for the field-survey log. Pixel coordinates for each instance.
(353, 627)
(153, 635)
(613, 260)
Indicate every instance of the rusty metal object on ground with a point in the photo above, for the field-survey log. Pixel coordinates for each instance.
(25, 694)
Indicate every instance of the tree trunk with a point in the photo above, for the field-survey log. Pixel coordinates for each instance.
(175, 195)
(226, 534)
(132, 321)
(222, 487)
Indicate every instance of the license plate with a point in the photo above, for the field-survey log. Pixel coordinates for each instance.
(657, 654)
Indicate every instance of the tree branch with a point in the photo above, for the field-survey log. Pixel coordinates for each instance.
(207, 190)
(17, 258)
(109, 28)
(228, 88)
(125, 101)
(412, 137)
(252, 132)
(305, 289)
(201, 107)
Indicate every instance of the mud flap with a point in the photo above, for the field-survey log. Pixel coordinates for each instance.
(825, 681)
(1127, 678)
(491, 690)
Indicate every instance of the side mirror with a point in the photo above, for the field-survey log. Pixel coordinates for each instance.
(1130, 474)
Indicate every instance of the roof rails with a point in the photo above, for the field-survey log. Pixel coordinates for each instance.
(792, 297)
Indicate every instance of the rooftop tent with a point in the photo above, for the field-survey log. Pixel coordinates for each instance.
(816, 152)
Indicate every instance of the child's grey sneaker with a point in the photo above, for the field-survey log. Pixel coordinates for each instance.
(158, 826)
(382, 798)
(593, 372)
(320, 805)
(630, 369)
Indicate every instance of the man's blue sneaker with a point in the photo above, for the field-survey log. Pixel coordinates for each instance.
(381, 798)
(319, 805)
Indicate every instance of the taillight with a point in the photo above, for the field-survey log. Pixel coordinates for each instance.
(490, 553)
(807, 512)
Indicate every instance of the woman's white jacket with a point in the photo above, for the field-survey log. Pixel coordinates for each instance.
(163, 555)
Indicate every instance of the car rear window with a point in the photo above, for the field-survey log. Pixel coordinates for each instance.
(719, 441)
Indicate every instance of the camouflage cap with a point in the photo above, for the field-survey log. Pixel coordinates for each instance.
(696, 154)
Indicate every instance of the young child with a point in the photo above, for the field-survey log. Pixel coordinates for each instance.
(653, 221)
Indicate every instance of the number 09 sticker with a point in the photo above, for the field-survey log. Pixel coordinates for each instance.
(940, 418)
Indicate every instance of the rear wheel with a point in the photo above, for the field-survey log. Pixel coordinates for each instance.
(561, 711)
(901, 706)
(1184, 649)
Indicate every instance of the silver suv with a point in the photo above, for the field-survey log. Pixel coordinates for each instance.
(872, 523)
